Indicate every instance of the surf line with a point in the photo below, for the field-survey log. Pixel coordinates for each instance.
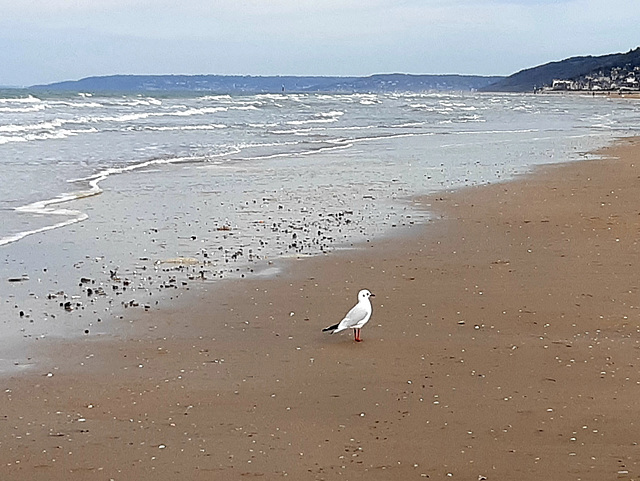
(48, 207)
(45, 207)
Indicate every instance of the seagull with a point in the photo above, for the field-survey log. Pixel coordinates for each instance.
(357, 317)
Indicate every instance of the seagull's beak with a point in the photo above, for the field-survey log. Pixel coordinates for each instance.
(372, 295)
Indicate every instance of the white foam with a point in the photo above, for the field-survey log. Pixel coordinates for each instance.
(53, 135)
(312, 121)
(265, 144)
(48, 125)
(128, 102)
(20, 100)
(355, 127)
(189, 112)
(21, 235)
(47, 207)
(332, 114)
(32, 108)
(409, 125)
(208, 98)
(95, 179)
(319, 118)
(187, 127)
(73, 104)
(14, 138)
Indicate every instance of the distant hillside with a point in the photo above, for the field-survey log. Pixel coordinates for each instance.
(188, 83)
(414, 83)
(569, 69)
(272, 84)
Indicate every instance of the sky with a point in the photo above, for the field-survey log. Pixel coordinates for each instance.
(44, 41)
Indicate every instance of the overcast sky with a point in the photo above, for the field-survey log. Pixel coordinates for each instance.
(44, 41)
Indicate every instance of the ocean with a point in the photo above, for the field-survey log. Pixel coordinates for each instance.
(112, 202)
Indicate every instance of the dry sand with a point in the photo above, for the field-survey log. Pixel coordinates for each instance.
(504, 345)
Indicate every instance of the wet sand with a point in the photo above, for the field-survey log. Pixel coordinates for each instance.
(503, 345)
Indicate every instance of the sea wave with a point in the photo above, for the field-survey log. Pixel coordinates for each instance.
(262, 126)
(57, 128)
(49, 207)
(180, 111)
(64, 103)
(217, 98)
(21, 235)
(48, 125)
(23, 110)
(338, 144)
(293, 131)
(319, 118)
(6, 139)
(20, 100)
(50, 135)
(185, 127)
(331, 114)
(121, 118)
(58, 134)
(244, 107)
(135, 102)
(191, 111)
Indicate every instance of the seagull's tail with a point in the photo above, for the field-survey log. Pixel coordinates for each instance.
(331, 328)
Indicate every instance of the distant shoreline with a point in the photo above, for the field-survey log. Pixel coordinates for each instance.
(271, 84)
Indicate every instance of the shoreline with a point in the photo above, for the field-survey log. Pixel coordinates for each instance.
(502, 341)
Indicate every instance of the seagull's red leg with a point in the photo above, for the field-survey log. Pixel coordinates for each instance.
(358, 335)
(355, 335)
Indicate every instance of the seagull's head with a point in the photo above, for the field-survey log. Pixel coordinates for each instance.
(365, 294)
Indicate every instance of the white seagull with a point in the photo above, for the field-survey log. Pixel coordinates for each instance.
(357, 317)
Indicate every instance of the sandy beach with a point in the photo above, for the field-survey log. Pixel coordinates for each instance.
(503, 345)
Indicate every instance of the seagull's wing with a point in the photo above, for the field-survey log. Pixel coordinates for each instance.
(357, 314)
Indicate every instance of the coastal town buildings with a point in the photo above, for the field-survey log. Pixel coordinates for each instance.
(615, 79)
